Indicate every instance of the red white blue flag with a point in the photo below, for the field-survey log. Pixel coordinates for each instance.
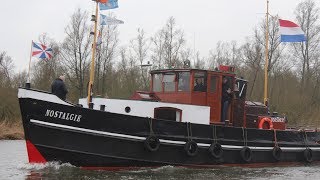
(41, 51)
(291, 32)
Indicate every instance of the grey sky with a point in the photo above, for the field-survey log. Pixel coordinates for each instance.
(205, 21)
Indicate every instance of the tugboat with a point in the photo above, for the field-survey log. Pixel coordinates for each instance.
(178, 122)
(172, 124)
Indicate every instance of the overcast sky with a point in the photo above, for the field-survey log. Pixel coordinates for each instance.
(204, 22)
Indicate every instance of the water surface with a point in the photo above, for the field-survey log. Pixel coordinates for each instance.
(14, 165)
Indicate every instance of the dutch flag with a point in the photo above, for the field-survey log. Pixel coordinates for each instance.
(291, 32)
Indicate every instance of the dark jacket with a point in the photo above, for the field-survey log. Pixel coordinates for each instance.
(225, 95)
(59, 89)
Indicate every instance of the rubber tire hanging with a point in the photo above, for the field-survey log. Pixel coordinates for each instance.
(246, 154)
(276, 153)
(308, 156)
(191, 148)
(216, 150)
(152, 143)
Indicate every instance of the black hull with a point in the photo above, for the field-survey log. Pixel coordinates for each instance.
(103, 139)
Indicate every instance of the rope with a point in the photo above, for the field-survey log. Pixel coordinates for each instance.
(188, 136)
(189, 131)
(214, 133)
(245, 136)
(150, 126)
(275, 138)
(305, 139)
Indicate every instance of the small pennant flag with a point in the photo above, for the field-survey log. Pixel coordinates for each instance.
(291, 32)
(109, 4)
(41, 51)
(105, 20)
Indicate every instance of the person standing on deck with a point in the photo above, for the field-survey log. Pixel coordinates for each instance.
(58, 87)
(226, 98)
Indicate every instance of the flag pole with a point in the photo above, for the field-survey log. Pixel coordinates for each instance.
(90, 84)
(266, 58)
(28, 80)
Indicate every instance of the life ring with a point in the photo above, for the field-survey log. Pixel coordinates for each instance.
(152, 143)
(216, 150)
(191, 148)
(246, 154)
(307, 154)
(265, 120)
(277, 153)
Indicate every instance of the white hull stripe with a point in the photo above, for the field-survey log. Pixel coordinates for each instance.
(162, 140)
(24, 93)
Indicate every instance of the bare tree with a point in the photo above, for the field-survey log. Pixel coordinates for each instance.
(6, 69)
(225, 54)
(140, 46)
(168, 43)
(252, 57)
(158, 49)
(105, 54)
(76, 49)
(307, 15)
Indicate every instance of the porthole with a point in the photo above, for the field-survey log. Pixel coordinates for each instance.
(127, 109)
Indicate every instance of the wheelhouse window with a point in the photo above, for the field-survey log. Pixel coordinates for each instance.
(169, 82)
(213, 84)
(200, 82)
(184, 81)
(157, 82)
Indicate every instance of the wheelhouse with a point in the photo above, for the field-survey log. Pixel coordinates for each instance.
(203, 88)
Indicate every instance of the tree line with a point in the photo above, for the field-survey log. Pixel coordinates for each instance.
(294, 69)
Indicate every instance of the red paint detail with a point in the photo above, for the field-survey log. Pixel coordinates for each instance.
(286, 23)
(33, 154)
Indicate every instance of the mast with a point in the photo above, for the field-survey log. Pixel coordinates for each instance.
(90, 85)
(266, 58)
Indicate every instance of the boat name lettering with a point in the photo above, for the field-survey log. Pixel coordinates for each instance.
(63, 115)
(278, 119)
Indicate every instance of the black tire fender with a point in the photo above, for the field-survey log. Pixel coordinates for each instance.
(191, 148)
(152, 143)
(308, 155)
(246, 154)
(216, 150)
(277, 153)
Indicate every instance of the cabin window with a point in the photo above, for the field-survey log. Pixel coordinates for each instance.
(157, 82)
(184, 81)
(168, 113)
(169, 82)
(213, 84)
(200, 82)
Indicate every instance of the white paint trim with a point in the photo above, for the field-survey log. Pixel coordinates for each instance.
(163, 140)
(86, 130)
(24, 93)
